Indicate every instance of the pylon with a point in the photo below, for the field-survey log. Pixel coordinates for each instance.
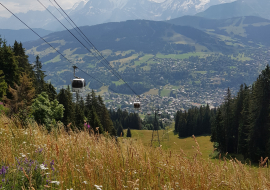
(155, 136)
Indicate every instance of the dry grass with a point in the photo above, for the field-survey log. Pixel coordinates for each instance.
(82, 161)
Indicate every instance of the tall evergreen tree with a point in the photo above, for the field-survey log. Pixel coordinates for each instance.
(3, 85)
(22, 96)
(40, 75)
(79, 117)
(22, 59)
(244, 124)
(95, 122)
(120, 131)
(104, 116)
(128, 132)
(65, 98)
(9, 65)
(220, 132)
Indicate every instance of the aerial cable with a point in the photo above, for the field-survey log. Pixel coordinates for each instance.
(51, 45)
(67, 29)
(95, 49)
(71, 24)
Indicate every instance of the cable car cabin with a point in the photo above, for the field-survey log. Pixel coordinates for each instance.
(159, 113)
(78, 85)
(149, 113)
(137, 105)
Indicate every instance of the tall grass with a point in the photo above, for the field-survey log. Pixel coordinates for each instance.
(36, 159)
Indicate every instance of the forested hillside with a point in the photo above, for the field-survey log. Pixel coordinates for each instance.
(25, 95)
(240, 125)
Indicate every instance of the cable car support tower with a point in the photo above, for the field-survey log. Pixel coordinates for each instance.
(155, 136)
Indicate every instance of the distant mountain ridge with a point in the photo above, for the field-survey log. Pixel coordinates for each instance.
(94, 12)
(238, 8)
(247, 30)
(22, 35)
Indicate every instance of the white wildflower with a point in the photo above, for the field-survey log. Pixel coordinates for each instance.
(23, 155)
(85, 182)
(43, 167)
(98, 187)
(56, 182)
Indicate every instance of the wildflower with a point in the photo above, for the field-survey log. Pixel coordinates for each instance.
(88, 126)
(56, 182)
(43, 167)
(3, 171)
(98, 187)
(85, 182)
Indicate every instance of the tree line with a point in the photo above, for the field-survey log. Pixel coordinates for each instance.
(124, 120)
(194, 121)
(240, 125)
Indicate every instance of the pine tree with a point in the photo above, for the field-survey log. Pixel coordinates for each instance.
(120, 130)
(65, 98)
(228, 125)
(177, 120)
(244, 124)
(104, 116)
(79, 117)
(128, 132)
(9, 65)
(22, 96)
(220, 132)
(40, 75)
(22, 59)
(3, 85)
(95, 122)
(51, 92)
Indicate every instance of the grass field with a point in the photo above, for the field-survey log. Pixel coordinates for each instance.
(165, 92)
(103, 89)
(152, 92)
(182, 56)
(175, 143)
(241, 57)
(32, 159)
(144, 59)
(117, 83)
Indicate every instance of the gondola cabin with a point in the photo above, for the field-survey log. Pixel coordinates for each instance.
(137, 105)
(149, 113)
(78, 85)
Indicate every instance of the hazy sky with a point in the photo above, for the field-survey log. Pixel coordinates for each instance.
(17, 6)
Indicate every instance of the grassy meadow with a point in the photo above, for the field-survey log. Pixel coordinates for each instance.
(32, 158)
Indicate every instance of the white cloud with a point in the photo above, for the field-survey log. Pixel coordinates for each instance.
(18, 6)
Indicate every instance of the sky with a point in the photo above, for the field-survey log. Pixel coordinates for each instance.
(17, 6)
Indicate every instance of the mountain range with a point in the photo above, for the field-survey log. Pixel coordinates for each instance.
(244, 31)
(22, 35)
(238, 8)
(94, 12)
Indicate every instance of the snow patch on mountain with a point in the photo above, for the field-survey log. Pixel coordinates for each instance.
(202, 4)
